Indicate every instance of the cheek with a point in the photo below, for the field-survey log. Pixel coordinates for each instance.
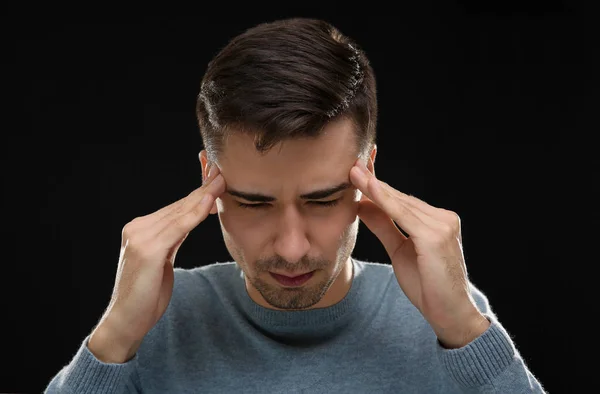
(349, 212)
(241, 226)
(330, 228)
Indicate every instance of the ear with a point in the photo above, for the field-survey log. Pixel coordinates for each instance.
(371, 161)
(205, 165)
(370, 167)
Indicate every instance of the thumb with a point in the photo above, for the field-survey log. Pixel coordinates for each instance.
(381, 225)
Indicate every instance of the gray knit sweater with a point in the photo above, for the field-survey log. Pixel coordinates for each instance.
(214, 339)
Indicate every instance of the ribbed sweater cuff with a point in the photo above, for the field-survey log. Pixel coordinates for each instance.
(87, 375)
(479, 362)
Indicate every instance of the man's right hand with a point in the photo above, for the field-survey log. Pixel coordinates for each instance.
(144, 281)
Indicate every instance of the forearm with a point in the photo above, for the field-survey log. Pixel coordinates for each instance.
(110, 348)
(462, 335)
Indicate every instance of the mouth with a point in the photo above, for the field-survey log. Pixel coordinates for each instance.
(292, 281)
(290, 276)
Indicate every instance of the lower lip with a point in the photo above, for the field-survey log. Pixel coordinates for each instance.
(297, 281)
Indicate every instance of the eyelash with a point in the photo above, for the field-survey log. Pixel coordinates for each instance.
(261, 205)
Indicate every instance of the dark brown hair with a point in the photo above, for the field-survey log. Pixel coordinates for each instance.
(286, 79)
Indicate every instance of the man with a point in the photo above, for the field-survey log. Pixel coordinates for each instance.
(287, 112)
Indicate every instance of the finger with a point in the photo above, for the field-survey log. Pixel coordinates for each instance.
(213, 171)
(411, 200)
(410, 219)
(195, 196)
(214, 184)
(436, 213)
(215, 187)
(437, 218)
(178, 223)
(381, 225)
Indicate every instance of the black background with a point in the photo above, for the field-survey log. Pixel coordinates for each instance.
(482, 111)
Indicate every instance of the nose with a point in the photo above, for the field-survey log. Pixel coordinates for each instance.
(291, 242)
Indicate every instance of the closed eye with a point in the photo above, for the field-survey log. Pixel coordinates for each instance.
(264, 205)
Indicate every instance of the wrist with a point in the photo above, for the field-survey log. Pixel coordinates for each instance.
(108, 346)
(462, 335)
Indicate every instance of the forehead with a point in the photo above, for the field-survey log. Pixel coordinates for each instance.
(293, 166)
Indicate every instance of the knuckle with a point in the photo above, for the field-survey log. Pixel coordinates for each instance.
(452, 218)
(137, 220)
(456, 222)
(141, 248)
(446, 231)
(134, 246)
(127, 230)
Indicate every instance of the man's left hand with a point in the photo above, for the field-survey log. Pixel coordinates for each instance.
(429, 263)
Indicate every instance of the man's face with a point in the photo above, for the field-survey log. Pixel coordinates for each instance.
(288, 231)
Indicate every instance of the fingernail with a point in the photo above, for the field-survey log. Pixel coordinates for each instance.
(210, 171)
(363, 167)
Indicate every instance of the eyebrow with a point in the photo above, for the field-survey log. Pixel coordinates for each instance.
(314, 195)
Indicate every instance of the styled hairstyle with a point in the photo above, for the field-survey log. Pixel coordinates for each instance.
(286, 79)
